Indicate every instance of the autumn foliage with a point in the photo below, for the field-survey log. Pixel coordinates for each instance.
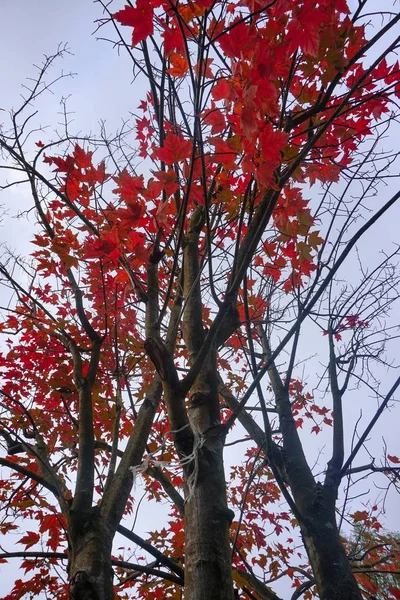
(201, 260)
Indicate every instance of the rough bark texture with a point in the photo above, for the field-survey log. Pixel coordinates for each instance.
(331, 567)
(314, 503)
(89, 565)
(208, 572)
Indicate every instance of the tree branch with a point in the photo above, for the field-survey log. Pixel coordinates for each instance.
(168, 562)
(332, 477)
(371, 424)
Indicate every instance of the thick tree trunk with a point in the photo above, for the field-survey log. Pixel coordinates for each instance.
(89, 566)
(208, 571)
(314, 503)
(331, 567)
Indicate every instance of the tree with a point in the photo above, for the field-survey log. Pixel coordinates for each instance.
(376, 559)
(158, 303)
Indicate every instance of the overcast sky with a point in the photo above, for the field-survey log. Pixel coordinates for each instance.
(101, 88)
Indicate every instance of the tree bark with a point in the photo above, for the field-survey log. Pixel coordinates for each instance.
(89, 563)
(331, 568)
(314, 503)
(208, 571)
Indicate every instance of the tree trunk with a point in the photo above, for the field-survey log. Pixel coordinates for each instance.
(90, 569)
(208, 571)
(331, 567)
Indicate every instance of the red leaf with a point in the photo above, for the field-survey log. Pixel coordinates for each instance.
(224, 152)
(236, 40)
(395, 592)
(168, 180)
(304, 31)
(28, 565)
(82, 159)
(161, 216)
(249, 122)
(129, 186)
(132, 215)
(205, 3)
(203, 68)
(40, 241)
(367, 583)
(272, 271)
(175, 149)
(221, 90)
(393, 459)
(215, 119)
(30, 539)
(140, 18)
(272, 142)
(173, 40)
(107, 246)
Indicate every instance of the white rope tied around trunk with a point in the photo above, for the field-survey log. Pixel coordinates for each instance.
(193, 457)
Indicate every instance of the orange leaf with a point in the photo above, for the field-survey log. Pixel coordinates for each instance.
(204, 68)
(180, 65)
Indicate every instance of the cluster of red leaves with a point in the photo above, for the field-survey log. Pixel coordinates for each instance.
(304, 406)
(41, 582)
(352, 322)
(253, 494)
(242, 126)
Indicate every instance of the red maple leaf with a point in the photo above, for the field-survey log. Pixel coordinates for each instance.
(205, 3)
(30, 539)
(83, 159)
(161, 216)
(237, 39)
(131, 216)
(304, 31)
(129, 186)
(173, 40)
(221, 90)
(223, 153)
(140, 18)
(214, 117)
(175, 149)
(107, 246)
(272, 142)
(168, 180)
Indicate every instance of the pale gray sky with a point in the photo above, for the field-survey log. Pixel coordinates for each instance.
(30, 29)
